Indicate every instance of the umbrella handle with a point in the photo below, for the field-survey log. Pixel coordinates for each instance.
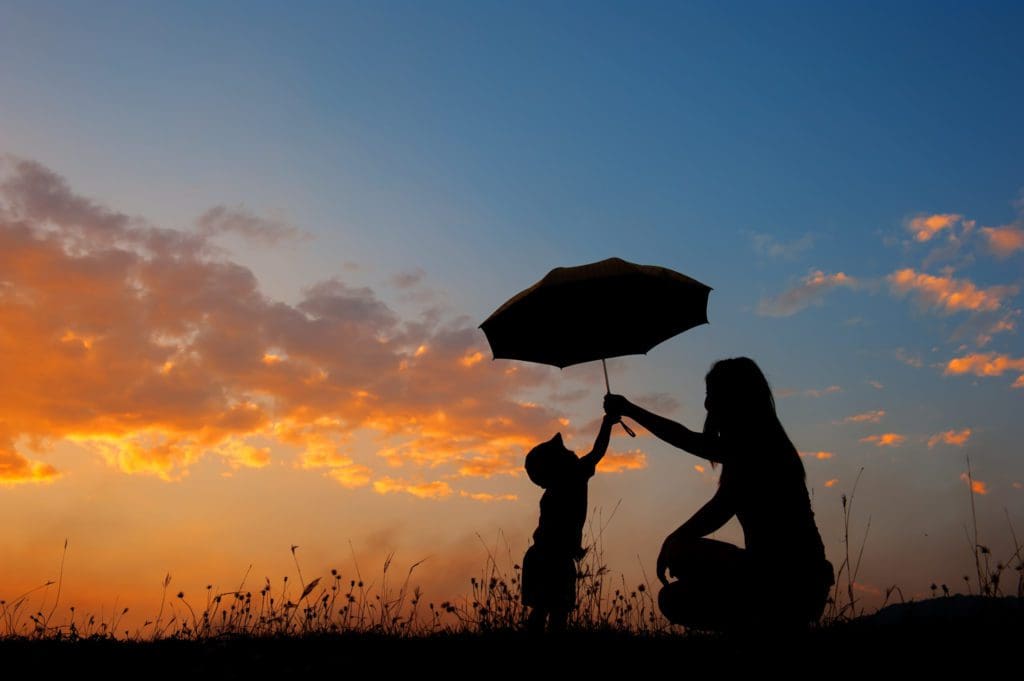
(608, 390)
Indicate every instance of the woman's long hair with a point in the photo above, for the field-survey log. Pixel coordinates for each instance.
(743, 396)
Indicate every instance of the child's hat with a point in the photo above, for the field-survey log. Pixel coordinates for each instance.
(537, 459)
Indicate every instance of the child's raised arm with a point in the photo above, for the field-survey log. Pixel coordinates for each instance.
(601, 443)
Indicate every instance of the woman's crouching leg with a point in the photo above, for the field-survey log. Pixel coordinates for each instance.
(712, 580)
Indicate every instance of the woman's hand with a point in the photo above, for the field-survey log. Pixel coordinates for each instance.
(616, 405)
(667, 549)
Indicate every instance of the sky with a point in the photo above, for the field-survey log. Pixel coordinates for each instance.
(246, 249)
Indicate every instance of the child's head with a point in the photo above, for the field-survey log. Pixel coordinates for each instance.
(549, 461)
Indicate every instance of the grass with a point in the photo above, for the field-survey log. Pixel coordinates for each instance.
(390, 607)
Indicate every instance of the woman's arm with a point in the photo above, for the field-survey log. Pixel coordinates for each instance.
(703, 445)
(708, 519)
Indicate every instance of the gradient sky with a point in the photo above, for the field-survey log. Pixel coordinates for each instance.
(245, 249)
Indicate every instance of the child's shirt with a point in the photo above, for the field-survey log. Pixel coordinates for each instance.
(563, 511)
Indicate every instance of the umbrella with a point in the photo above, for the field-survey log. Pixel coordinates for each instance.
(564, 318)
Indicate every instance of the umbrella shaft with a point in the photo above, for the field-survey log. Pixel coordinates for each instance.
(607, 388)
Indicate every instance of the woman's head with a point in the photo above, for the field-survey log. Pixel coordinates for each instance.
(741, 407)
(738, 394)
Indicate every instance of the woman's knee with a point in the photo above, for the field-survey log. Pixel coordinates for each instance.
(704, 559)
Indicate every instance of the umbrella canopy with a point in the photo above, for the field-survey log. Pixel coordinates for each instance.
(573, 314)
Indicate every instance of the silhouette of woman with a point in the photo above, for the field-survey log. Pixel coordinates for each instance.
(782, 577)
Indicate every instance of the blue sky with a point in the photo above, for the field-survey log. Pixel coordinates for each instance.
(748, 145)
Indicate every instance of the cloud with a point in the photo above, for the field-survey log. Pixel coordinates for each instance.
(1018, 485)
(873, 416)
(322, 449)
(946, 294)
(924, 227)
(977, 486)
(700, 469)
(957, 438)
(147, 347)
(422, 490)
(812, 289)
(408, 279)
(877, 385)
(15, 468)
(810, 392)
(821, 456)
(659, 403)
(766, 245)
(484, 496)
(240, 221)
(908, 358)
(984, 327)
(832, 482)
(617, 462)
(1004, 241)
(569, 395)
(884, 439)
(986, 364)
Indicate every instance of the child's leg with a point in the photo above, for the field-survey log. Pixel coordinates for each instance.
(557, 620)
(535, 622)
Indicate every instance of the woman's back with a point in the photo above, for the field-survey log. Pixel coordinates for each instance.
(774, 510)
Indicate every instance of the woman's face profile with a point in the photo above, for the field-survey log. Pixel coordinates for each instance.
(717, 406)
(709, 399)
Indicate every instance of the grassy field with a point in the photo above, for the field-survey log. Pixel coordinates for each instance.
(332, 623)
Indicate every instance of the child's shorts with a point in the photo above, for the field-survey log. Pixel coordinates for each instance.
(549, 579)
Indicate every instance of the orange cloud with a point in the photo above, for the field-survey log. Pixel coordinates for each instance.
(924, 227)
(1018, 485)
(821, 456)
(812, 289)
(15, 468)
(986, 364)
(1004, 241)
(484, 496)
(810, 392)
(617, 462)
(946, 294)
(866, 417)
(950, 437)
(472, 358)
(423, 490)
(832, 482)
(867, 588)
(884, 440)
(322, 450)
(149, 348)
(977, 486)
(699, 468)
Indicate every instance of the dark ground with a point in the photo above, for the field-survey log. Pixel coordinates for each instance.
(919, 639)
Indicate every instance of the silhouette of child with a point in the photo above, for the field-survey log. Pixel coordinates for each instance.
(549, 566)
